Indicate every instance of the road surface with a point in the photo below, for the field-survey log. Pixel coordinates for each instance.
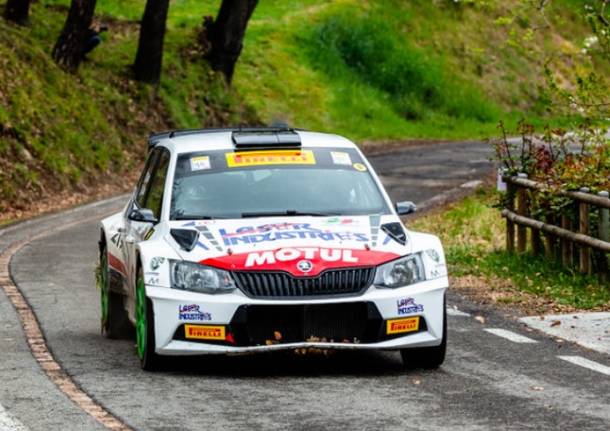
(497, 375)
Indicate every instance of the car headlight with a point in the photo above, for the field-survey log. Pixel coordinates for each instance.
(400, 272)
(199, 278)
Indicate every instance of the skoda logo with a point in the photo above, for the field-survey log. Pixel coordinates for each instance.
(304, 265)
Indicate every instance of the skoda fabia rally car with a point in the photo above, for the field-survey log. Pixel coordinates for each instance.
(252, 240)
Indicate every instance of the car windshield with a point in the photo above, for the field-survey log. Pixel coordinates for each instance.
(227, 184)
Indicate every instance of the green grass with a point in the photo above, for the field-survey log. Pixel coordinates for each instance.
(472, 232)
(369, 70)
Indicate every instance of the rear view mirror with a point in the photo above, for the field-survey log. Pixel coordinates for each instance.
(144, 215)
(405, 207)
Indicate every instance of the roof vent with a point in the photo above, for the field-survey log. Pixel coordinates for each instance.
(266, 138)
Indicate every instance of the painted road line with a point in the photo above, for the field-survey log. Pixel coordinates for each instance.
(8, 423)
(455, 312)
(509, 335)
(586, 363)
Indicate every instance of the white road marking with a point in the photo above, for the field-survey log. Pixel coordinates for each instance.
(8, 423)
(586, 363)
(455, 312)
(509, 335)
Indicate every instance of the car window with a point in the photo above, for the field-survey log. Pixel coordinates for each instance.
(145, 179)
(154, 198)
(227, 184)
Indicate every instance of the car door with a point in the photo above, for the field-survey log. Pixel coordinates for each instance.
(149, 196)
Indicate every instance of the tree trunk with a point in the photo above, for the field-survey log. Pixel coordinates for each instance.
(227, 33)
(17, 11)
(149, 58)
(68, 51)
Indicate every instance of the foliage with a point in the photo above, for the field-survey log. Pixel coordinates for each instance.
(473, 234)
(369, 50)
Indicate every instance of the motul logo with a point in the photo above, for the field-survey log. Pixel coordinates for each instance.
(289, 254)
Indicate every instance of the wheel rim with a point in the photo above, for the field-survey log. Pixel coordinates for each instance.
(103, 285)
(140, 317)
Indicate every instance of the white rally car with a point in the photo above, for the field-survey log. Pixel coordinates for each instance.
(252, 240)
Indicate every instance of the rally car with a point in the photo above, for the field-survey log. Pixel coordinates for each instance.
(252, 240)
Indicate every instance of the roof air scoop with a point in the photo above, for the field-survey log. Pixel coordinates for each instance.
(281, 137)
(186, 238)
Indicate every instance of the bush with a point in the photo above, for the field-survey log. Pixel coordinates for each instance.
(415, 83)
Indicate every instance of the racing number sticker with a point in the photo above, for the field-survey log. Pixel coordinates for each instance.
(260, 158)
(204, 332)
(399, 326)
(200, 163)
(340, 158)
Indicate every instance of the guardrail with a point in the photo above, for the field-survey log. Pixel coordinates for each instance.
(571, 240)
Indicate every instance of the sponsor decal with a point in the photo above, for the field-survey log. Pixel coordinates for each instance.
(285, 231)
(292, 260)
(433, 254)
(261, 158)
(340, 158)
(359, 167)
(399, 326)
(408, 306)
(200, 163)
(338, 221)
(201, 332)
(156, 262)
(192, 312)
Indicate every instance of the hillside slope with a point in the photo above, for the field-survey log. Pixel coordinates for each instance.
(370, 70)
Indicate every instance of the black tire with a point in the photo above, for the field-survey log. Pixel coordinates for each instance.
(149, 360)
(115, 322)
(427, 357)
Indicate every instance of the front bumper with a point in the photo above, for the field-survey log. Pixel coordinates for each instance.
(235, 323)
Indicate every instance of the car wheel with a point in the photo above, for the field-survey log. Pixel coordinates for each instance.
(114, 320)
(427, 357)
(145, 328)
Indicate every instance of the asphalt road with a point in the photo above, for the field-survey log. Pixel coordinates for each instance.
(487, 381)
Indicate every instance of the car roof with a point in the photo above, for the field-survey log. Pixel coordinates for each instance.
(188, 141)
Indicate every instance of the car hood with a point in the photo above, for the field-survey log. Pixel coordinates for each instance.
(302, 246)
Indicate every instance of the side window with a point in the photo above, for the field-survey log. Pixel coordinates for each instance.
(145, 179)
(154, 198)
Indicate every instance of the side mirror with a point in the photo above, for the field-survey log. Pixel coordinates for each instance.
(143, 215)
(405, 207)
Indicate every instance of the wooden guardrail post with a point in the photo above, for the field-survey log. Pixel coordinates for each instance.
(537, 245)
(522, 210)
(566, 245)
(604, 233)
(583, 228)
(510, 226)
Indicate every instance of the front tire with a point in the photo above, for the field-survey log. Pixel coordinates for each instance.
(114, 321)
(427, 357)
(145, 328)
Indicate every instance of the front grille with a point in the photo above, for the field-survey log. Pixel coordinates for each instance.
(259, 284)
(344, 322)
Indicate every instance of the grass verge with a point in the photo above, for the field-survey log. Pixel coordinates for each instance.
(473, 233)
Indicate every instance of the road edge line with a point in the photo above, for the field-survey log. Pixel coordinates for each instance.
(37, 342)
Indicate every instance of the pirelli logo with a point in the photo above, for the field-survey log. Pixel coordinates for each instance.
(261, 158)
(399, 326)
(204, 332)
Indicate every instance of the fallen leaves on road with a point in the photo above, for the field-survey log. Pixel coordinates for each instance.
(556, 323)
(416, 382)
(480, 319)
(536, 388)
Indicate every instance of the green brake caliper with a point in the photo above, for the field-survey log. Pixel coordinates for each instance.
(140, 317)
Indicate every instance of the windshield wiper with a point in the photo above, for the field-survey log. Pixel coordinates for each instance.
(283, 213)
(194, 217)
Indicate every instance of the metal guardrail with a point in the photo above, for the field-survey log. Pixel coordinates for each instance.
(566, 239)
